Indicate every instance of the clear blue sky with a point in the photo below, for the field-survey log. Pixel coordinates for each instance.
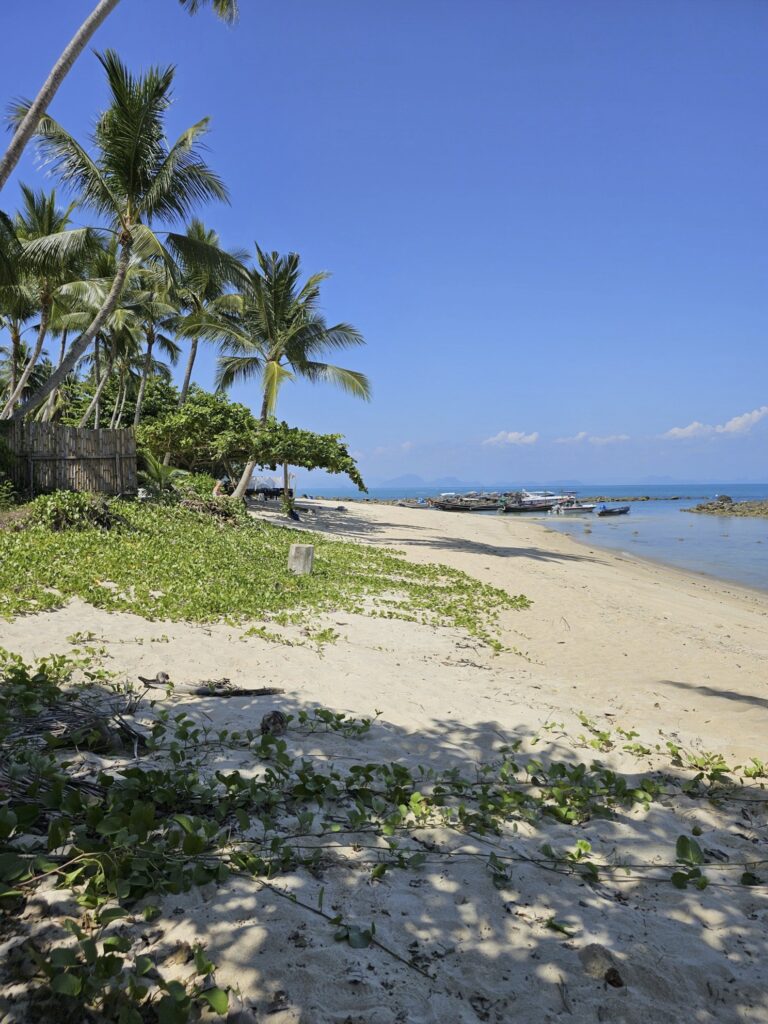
(548, 217)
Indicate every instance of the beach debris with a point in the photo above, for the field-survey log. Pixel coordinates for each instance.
(274, 723)
(301, 559)
(214, 687)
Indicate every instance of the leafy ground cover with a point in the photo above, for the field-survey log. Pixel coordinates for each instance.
(170, 562)
(121, 832)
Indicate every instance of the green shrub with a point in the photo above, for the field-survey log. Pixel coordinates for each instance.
(201, 484)
(7, 493)
(72, 510)
(227, 510)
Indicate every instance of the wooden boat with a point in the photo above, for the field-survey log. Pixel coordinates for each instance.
(613, 510)
(463, 505)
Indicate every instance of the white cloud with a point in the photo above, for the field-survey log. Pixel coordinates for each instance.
(581, 436)
(741, 424)
(513, 437)
(737, 425)
(406, 446)
(610, 439)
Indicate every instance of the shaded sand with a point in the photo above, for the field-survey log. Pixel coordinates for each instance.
(630, 643)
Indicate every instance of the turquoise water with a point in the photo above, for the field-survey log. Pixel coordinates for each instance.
(730, 548)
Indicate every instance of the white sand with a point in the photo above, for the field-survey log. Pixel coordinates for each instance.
(630, 643)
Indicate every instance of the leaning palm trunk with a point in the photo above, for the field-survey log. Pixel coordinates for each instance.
(122, 406)
(94, 405)
(83, 343)
(34, 356)
(15, 357)
(50, 405)
(242, 486)
(77, 44)
(188, 372)
(144, 376)
(119, 403)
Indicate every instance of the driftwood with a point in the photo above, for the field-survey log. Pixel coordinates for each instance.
(212, 687)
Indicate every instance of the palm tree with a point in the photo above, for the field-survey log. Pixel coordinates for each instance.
(208, 308)
(155, 307)
(133, 179)
(40, 218)
(281, 335)
(226, 9)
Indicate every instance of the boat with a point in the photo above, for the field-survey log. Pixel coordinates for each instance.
(523, 501)
(572, 507)
(471, 502)
(613, 510)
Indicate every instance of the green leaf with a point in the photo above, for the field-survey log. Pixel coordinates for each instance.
(217, 999)
(110, 914)
(66, 984)
(680, 879)
(63, 957)
(186, 823)
(688, 851)
(12, 867)
(560, 926)
(749, 879)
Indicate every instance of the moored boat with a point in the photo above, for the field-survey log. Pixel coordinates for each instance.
(571, 507)
(613, 510)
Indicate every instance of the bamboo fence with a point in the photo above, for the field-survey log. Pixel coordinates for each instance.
(44, 457)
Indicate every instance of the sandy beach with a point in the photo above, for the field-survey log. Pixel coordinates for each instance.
(633, 645)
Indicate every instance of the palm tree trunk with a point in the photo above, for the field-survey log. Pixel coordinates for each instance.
(97, 378)
(15, 356)
(116, 410)
(122, 406)
(83, 343)
(242, 486)
(188, 372)
(42, 101)
(144, 375)
(50, 405)
(45, 315)
(95, 400)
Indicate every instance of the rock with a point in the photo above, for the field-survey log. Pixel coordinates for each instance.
(274, 723)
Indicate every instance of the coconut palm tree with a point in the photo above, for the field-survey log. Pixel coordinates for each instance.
(225, 9)
(282, 334)
(133, 179)
(208, 309)
(40, 217)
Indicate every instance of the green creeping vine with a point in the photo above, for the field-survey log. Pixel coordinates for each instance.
(165, 561)
(165, 821)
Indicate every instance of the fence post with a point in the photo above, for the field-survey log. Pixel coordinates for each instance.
(301, 559)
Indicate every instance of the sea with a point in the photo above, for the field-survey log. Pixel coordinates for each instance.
(729, 548)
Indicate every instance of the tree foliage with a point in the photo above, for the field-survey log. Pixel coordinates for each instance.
(209, 432)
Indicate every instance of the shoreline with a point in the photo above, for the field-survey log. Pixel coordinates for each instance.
(696, 573)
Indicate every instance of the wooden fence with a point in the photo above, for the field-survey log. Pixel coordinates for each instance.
(44, 457)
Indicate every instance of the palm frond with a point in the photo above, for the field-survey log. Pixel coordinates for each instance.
(227, 10)
(351, 381)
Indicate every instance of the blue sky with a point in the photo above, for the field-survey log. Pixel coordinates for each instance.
(548, 217)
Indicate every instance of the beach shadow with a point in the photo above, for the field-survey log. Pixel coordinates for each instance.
(347, 525)
(461, 943)
(711, 691)
(459, 936)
